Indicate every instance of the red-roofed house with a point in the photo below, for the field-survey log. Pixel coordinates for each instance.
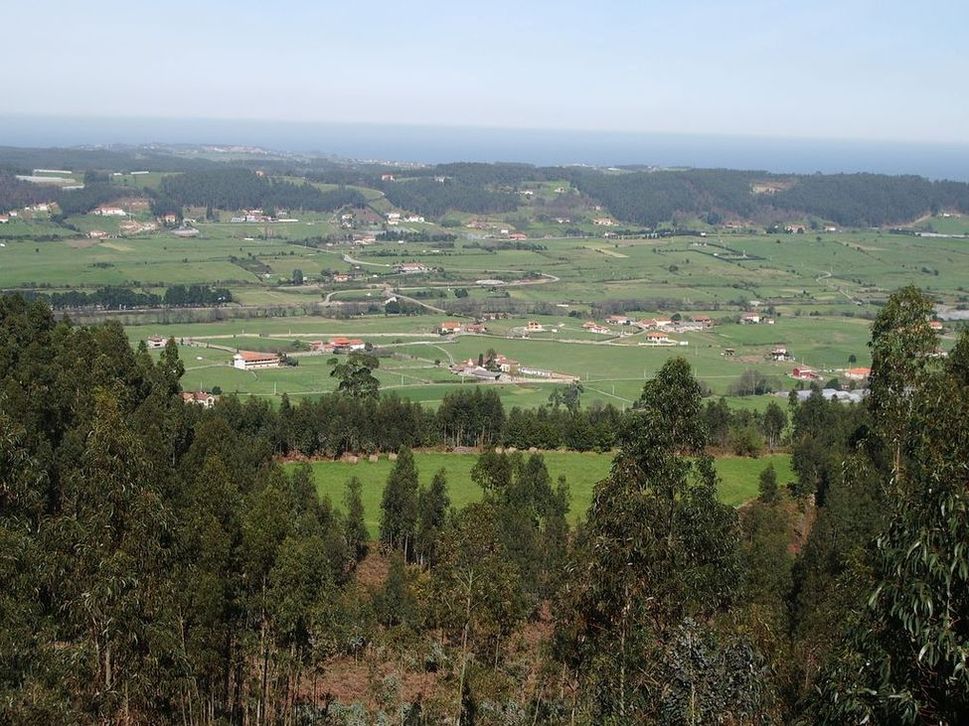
(346, 345)
(449, 327)
(155, 341)
(705, 320)
(248, 360)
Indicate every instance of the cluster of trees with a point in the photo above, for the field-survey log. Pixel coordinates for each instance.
(15, 194)
(160, 567)
(189, 295)
(234, 188)
(396, 235)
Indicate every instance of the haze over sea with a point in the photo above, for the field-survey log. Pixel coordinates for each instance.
(432, 144)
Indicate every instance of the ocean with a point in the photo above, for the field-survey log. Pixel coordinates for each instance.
(432, 144)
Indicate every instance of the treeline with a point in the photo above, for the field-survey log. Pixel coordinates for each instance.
(396, 235)
(236, 188)
(337, 424)
(123, 298)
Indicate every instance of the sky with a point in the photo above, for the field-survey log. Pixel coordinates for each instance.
(848, 69)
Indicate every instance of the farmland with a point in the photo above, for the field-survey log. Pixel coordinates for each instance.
(311, 275)
(738, 478)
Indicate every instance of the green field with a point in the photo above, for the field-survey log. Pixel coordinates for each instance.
(738, 478)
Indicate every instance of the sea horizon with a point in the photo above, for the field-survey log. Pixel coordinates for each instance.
(549, 147)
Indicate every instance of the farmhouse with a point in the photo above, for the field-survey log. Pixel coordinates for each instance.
(619, 320)
(604, 222)
(750, 319)
(780, 354)
(518, 236)
(857, 374)
(411, 268)
(249, 360)
(340, 277)
(393, 218)
(318, 346)
(199, 398)
(97, 234)
(346, 345)
(534, 327)
(475, 328)
(155, 341)
(704, 321)
(803, 373)
(449, 327)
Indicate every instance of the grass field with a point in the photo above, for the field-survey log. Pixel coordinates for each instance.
(738, 478)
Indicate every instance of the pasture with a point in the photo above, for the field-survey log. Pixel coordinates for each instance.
(738, 478)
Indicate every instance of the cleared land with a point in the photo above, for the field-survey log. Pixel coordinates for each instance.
(738, 478)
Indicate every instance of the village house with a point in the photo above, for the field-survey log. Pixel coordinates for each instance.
(518, 236)
(704, 321)
(247, 360)
(619, 320)
(318, 346)
(593, 327)
(780, 354)
(534, 327)
(506, 365)
(346, 345)
(604, 222)
(655, 323)
(341, 277)
(449, 327)
(199, 398)
(155, 341)
(170, 218)
(857, 374)
(97, 234)
(475, 328)
(750, 319)
(110, 212)
(655, 337)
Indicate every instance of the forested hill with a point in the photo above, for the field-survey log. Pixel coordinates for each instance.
(632, 195)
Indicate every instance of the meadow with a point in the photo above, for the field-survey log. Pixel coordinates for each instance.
(738, 478)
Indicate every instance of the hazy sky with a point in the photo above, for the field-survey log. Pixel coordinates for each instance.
(811, 68)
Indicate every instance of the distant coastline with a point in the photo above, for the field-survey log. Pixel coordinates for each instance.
(431, 144)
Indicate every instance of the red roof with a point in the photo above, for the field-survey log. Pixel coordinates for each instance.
(252, 356)
(341, 341)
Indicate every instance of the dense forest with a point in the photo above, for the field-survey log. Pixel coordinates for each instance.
(235, 188)
(435, 198)
(161, 566)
